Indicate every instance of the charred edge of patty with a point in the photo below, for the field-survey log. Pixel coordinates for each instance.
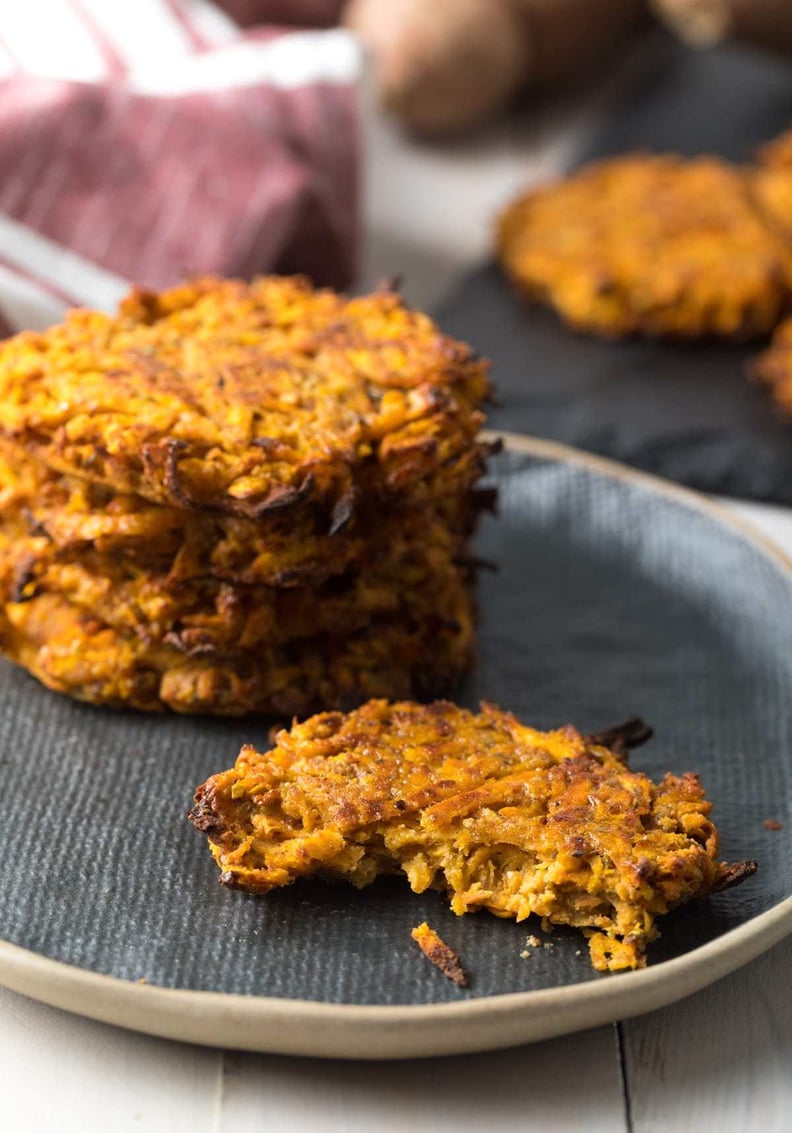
(169, 453)
(485, 499)
(23, 586)
(734, 874)
(343, 511)
(203, 814)
(621, 738)
(278, 500)
(172, 449)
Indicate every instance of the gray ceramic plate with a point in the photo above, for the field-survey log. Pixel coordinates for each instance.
(616, 594)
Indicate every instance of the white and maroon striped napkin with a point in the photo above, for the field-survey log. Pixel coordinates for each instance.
(145, 142)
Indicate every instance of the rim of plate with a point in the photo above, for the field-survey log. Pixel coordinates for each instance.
(330, 1030)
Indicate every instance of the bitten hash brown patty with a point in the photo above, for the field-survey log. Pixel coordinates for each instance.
(246, 398)
(498, 815)
(654, 245)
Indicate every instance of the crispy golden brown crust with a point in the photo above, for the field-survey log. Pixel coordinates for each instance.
(219, 620)
(77, 518)
(391, 615)
(654, 245)
(404, 569)
(437, 952)
(72, 651)
(246, 398)
(500, 816)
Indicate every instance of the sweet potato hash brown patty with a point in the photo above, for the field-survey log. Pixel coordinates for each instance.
(237, 497)
(72, 651)
(655, 245)
(73, 519)
(496, 814)
(245, 398)
(207, 617)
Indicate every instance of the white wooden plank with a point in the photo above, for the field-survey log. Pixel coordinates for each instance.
(63, 1074)
(569, 1083)
(721, 1059)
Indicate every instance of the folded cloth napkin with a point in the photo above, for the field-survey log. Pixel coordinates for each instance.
(151, 141)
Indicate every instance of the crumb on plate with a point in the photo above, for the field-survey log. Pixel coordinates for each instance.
(440, 954)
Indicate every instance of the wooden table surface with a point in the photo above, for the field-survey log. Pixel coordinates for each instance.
(721, 1059)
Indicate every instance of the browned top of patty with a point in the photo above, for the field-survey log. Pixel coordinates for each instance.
(652, 244)
(244, 397)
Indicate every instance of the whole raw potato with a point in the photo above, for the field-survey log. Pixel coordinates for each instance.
(445, 65)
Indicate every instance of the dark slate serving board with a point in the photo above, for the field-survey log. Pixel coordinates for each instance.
(684, 411)
(611, 599)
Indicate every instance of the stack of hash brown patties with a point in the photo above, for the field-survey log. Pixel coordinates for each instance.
(240, 497)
